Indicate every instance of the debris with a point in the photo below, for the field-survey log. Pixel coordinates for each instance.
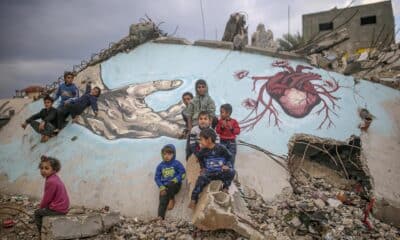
(236, 31)
(262, 38)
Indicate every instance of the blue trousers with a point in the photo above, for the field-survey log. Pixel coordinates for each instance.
(231, 146)
(225, 176)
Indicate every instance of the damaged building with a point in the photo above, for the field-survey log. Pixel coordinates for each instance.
(369, 25)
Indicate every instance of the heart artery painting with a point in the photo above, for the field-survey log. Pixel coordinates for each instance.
(297, 93)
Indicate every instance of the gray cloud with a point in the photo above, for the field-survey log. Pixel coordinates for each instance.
(50, 36)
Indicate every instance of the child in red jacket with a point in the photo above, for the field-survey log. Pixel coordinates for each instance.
(227, 129)
(55, 198)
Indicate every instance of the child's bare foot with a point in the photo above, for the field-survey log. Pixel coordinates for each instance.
(171, 204)
(44, 139)
(225, 190)
(192, 204)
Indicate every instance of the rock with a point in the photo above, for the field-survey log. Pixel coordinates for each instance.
(295, 222)
(319, 203)
(68, 227)
(333, 202)
(110, 219)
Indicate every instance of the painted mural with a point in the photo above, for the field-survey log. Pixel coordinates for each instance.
(297, 93)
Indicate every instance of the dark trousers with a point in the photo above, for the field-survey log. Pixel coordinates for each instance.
(48, 128)
(231, 146)
(172, 190)
(225, 176)
(43, 212)
(66, 110)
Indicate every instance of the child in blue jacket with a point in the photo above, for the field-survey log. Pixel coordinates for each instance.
(169, 175)
(67, 90)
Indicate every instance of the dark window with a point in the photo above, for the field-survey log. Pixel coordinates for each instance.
(368, 20)
(325, 26)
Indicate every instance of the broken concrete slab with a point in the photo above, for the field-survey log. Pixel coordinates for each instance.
(214, 44)
(218, 210)
(78, 226)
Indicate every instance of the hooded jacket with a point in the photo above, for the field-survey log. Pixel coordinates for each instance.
(169, 171)
(201, 103)
(66, 91)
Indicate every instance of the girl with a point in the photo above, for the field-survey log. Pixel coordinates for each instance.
(55, 198)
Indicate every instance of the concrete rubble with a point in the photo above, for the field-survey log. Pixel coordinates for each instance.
(262, 38)
(236, 31)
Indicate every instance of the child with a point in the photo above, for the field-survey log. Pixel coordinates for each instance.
(186, 99)
(202, 102)
(49, 120)
(169, 175)
(215, 163)
(55, 198)
(193, 145)
(75, 107)
(67, 90)
(228, 128)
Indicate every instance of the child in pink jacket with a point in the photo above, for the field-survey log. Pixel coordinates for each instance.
(55, 198)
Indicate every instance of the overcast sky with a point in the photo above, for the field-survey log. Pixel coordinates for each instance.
(43, 38)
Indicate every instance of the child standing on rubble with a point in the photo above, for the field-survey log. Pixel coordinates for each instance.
(201, 102)
(55, 199)
(215, 163)
(227, 129)
(67, 90)
(169, 175)
(76, 106)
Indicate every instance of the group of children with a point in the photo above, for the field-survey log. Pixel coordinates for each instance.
(211, 140)
(52, 119)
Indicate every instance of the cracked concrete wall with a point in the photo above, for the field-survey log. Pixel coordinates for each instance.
(99, 171)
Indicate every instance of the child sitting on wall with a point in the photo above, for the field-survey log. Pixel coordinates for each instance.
(76, 106)
(227, 129)
(193, 145)
(55, 199)
(67, 90)
(215, 163)
(201, 102)
(48, 115)
(169, 175)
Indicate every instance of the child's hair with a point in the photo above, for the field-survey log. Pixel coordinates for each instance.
(227, 107)
(187, 94)
(98, 90)
(208, 133)
(68, 73)
(54, 163)
(204, 113)
(201, 81)
(167, 150)
(48, 98)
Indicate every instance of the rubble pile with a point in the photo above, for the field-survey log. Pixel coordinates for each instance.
(376, 63)
(236, 31)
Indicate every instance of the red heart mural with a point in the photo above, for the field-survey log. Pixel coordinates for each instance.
(297, 92)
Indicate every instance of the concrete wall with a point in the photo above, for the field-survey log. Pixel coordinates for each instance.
(119, 171)
(361, 36)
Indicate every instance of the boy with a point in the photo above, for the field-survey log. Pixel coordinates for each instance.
(75, 107)
(186, 99)
(227, 129)
(193, 145)
(201, 102)
(48, 115)
(169, 175)
(67, 90)
(215, 163)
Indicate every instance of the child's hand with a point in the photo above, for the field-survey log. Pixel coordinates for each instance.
(163, 192)
(225, 168)
(41, 125)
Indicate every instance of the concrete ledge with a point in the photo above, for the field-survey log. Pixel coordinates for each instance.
(172, 40)
(78, 226)
(272, 52)
(214, 44)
